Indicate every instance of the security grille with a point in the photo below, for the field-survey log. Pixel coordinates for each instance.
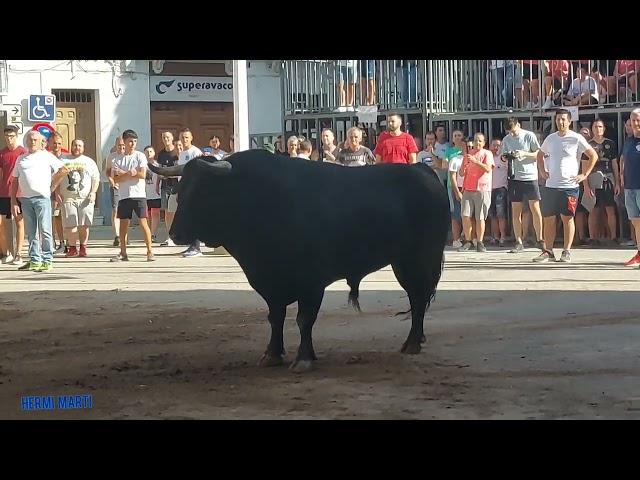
(73, 96)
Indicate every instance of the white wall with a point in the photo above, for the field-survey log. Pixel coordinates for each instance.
(265, 104)
(122, 100)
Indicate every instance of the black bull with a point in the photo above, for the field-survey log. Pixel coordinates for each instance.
(296, 226)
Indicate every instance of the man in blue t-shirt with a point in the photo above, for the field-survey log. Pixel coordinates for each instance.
(630, 176)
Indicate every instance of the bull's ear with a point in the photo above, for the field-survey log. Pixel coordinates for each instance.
(221, 167)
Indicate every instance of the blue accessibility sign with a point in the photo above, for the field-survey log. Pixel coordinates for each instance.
(42, 108)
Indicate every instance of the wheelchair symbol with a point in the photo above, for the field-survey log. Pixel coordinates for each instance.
(39, 112)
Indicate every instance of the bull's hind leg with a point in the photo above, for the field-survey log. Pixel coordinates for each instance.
(275, 350)
(308, 308)
(354, 293)
(419, 277)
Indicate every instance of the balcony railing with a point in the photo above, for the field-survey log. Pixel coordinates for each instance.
(455, 86)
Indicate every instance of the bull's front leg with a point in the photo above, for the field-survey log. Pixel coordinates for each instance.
(307, 313)
(275, 349)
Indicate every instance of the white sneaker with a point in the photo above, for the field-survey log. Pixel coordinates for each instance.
(7, 259)
(17, 260)
(168, 243)
(340, 110)
(192, 252)
(456, 244)
(351, 109)
(547, 103)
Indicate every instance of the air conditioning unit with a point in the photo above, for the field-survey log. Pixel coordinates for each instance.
(275, 66)
(157, 66)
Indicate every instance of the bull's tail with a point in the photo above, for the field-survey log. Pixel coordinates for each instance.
(354, 293)
(436, 274)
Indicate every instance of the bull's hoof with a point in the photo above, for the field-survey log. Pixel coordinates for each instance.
(411, 348)
(269, 360)
(301, 366)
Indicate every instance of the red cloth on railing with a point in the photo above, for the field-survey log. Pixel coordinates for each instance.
(559, 68)
(627, 66)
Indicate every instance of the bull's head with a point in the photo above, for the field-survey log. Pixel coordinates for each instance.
(201, 183)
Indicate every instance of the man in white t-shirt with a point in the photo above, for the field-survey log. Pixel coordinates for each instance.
(55, 147)
(34, 174)
(214, 148)
(559, 164)
(583, 90)
(129, 171)
(188, 153)
(116, 151)
(499, 209)
(428, 155)
(77, 192)
(305, 150)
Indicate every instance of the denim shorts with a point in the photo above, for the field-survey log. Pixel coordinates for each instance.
(347, 74)
(499, 203)
(115, 197)
(455, 207)
(368, 69)
(632, 202)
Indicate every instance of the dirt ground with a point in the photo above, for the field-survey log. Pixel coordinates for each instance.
(178, 341)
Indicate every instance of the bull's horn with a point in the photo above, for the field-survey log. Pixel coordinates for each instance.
(221, 167)
(174, 171)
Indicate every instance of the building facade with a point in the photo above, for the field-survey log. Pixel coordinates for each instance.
(98, 100)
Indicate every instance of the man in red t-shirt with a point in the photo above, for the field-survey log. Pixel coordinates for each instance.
(395, 146)
(8, 157)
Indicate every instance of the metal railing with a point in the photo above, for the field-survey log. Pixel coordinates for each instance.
(262, 140)
(456, 86)
(321, 86)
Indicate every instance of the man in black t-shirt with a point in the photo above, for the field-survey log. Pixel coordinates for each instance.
(167, 157)
(605, 197)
